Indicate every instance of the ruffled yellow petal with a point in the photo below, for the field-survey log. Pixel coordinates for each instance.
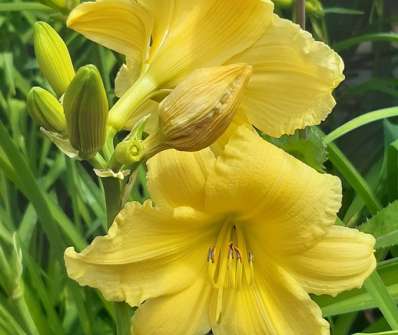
(274, 304)
(340, 261)
(204, 33)
(183, 313)
(121, 25)
(148, 252)
(177, 178)
(279, 200)
(293, 79)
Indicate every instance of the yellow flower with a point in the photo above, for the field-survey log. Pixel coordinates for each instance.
(234, 244)
(164, 40)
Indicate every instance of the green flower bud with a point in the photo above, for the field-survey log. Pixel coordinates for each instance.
(46, 110)
(53, 57)
(11, 268)
(199, 109)
(86, 110)
(314, 7)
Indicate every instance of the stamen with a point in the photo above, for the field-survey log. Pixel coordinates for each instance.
(210, 255)
(237, 252)
(219, 304)
(245, 260)
(251, 257)
(251, 267)
(231, 251)
(229, 262)
(239, 272)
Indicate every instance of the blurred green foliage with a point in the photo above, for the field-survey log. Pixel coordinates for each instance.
(48, 202)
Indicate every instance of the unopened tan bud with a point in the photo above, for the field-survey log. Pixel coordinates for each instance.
(202, 107)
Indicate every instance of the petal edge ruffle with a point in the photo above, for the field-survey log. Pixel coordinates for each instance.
(293, 79)
(147, 253)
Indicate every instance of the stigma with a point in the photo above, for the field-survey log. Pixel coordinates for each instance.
(230, 262)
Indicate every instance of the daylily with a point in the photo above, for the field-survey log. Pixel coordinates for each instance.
(164, 40)
(234, 243)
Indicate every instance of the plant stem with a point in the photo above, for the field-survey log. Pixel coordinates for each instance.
(112, 189)
(122, 315)
(113, 200)
(124, 109)
(300, 13)
(26, 316)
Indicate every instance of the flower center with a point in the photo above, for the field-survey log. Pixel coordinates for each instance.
(230, 262)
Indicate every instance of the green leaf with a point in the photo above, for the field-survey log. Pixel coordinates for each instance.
(390, 131)
(384, 226)
(359, 122)
(392, 170)
(351, 42)
(352, 301)
(31, 189)
(8, 64)
(342, 11)
(393, 332)
(354, 178)
(384, 300)
(51, 216)
(374, 285)
(19, 6)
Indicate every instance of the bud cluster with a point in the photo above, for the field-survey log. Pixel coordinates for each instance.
(191, 117)
(80, 115)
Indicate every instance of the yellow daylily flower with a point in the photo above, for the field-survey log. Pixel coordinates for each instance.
(234, 243)
(164, 40)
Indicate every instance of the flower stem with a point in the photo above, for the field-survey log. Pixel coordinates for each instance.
(112, 189)
(26, 315)
(122, 315)
(113, 200)
(300, 13)
(126, 107)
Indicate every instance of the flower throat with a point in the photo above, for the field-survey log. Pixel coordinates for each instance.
(230, 263)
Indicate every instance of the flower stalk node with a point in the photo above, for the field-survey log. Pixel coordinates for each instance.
(129, 152)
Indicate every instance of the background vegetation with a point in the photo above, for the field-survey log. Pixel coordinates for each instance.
(48, 202)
